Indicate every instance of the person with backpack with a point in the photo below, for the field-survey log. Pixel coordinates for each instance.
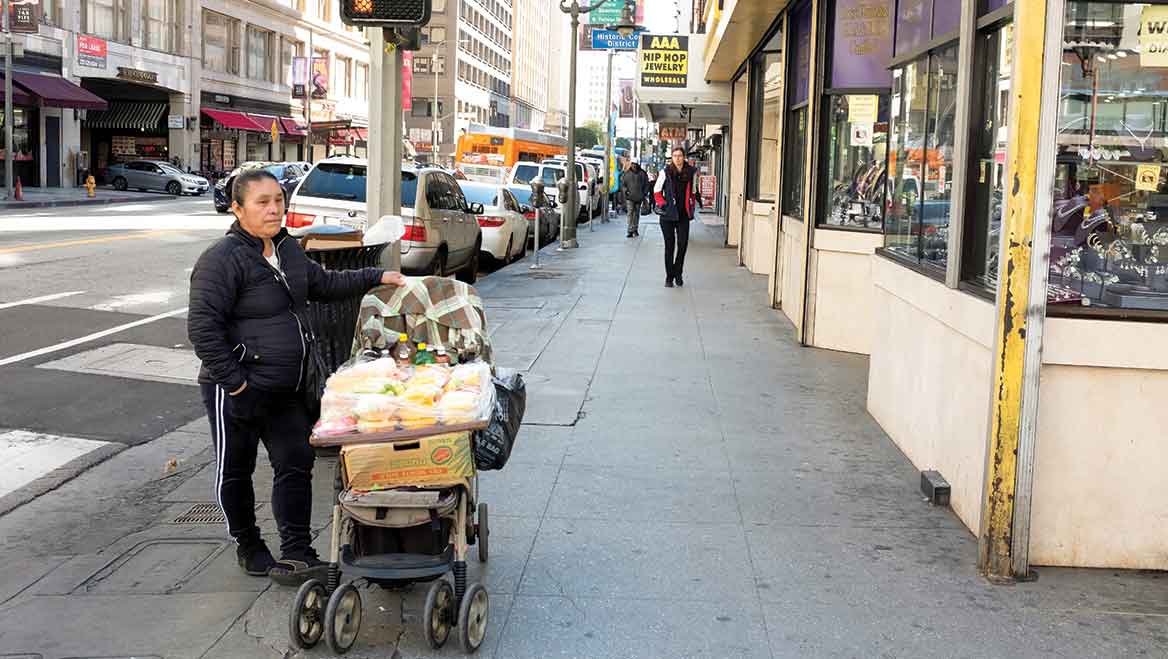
(634, 185)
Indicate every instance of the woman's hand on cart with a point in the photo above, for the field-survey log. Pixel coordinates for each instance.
(390, 278)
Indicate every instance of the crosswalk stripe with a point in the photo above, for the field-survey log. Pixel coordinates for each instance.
(89, 337)
(29, 455)
(38, 300)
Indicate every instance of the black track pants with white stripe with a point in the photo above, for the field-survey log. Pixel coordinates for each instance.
(282, 422)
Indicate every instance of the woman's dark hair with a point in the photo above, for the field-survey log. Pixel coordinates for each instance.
(242, 182)
(676, 149)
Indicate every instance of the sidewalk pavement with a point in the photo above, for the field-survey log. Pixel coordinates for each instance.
(57, 197)
(689, 482)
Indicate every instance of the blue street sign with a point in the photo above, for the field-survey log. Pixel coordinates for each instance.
(603, 39)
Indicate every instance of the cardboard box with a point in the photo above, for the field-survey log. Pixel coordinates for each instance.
(434, 460)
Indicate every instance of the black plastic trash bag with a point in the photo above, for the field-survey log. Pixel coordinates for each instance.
(493, 445)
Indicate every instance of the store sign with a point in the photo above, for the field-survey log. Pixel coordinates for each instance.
(664, 60)
(862, 108)
(299, 76)
(604, 39)
(1148, 178)
(92, 51)
(1154, 36)
(137, 75)
(225, 100)
(861, 135)
(672, 132)
(863, 44)
(320, 77)
(24, 15)
(627, 102)
(176, 121)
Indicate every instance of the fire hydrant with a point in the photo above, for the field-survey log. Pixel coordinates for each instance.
(91, 186)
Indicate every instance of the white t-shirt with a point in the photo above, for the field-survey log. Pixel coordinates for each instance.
(274, 259)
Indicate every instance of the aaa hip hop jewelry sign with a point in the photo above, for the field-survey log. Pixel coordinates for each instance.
(664, 60)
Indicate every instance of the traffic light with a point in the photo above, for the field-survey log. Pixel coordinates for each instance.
(386, 13)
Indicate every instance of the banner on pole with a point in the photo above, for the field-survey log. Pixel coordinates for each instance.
(407, 80)
(299, 77)
(320, 77)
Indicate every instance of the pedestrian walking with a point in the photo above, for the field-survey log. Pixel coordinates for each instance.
(634, 185)
(647, 186)
(674, 193)
(248, 294)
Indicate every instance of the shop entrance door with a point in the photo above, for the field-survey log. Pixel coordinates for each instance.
(53, 151)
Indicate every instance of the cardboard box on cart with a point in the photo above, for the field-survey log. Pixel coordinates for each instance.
(433, 460)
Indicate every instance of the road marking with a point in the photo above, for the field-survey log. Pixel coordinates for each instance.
(80, 241)
(89, 337)
(30, 455)
(133, 300)
(38, 300)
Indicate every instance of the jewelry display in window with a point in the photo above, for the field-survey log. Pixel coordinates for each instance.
(858, 202)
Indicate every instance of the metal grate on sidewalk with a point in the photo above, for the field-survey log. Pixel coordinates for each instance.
(201, 513)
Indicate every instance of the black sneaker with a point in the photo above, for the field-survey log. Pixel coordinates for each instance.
(295, 570)
(255, 559)
(668, 282)
(679, 281)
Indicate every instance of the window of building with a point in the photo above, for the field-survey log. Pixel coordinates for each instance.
(259, 53)
(220, 42)
(290, 49)
(345, 77)
(160, 24)
(920, 163)
(361, 84)
(298, 5)
(419, 107)
(988, 160)
(51, 12)
(437, 6)
(438, 34)
(798, 92)
(108, 19)
(856, 161)
(766, 94)
(324, 10)
(421, 64)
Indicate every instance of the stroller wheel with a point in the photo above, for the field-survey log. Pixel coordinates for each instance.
(482, 533)
(472, 618)
(342, 619)
(306, 622)
(439, 613)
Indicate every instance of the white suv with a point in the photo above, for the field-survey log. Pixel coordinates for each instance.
(522, 173)
(442, 232)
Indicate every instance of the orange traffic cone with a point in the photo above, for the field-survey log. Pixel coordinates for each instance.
(18, 190)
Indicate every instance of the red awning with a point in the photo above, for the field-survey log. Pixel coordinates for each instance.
(341, 136)
(235, 120)
(291, 127)
(362, 134)
(265, 122)
(55, 92)
(18, 95)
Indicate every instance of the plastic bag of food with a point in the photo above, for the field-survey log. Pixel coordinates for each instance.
(493, 445)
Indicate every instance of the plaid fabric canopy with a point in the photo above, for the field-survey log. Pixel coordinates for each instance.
(438, 311)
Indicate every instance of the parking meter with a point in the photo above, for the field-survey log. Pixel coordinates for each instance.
(538, 200)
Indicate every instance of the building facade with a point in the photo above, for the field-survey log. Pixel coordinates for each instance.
(871, 146)
(533, 31)
(204, 84)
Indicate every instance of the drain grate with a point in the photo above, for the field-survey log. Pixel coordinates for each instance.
(201, 513)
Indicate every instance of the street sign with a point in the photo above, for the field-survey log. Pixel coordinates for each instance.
(275, 131)
(175, 121)
(603, 39)
(610, 13)
(385, 13)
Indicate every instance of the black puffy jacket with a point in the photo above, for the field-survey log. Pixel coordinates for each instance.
(246, 320)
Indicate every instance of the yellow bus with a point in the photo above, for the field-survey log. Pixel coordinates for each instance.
(487, 153)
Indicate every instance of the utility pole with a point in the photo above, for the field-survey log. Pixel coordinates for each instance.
(9, 160)
(307, 99)
(435, 124)
(385, 132)
(611, 168)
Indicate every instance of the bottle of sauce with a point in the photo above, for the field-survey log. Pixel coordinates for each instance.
(403, 350)
(440, 356)
(423, 356)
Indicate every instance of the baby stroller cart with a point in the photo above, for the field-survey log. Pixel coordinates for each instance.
(406, 507)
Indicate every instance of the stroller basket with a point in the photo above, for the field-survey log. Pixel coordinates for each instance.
(397, 566)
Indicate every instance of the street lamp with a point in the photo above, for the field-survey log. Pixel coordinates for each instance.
(626, 27)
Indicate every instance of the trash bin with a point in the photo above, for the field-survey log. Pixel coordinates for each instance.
(333, 323)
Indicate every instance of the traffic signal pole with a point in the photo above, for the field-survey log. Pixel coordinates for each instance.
(385, 132)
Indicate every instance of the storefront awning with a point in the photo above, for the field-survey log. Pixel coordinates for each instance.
(55, 92)
(362, 134)
(19, 97)
(265, 121)
(128, 115)
(234, 120)
(291, 127)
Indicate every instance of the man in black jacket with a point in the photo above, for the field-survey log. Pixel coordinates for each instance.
(246, 321)
(634, 188)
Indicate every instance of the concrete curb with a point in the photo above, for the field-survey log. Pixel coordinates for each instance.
(58, 477)
(84, 201)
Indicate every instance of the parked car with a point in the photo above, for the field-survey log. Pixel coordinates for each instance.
(155, 175)
(589, 173)
(522, 173)
(288, 173)
(549, 217)
(502, 222)
(442, 235)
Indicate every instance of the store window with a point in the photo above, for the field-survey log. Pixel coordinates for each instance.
(1110, 222)
(798, 93)
(289, 50)
(362, 83)
(259, 45)
(23, 146)
(857, 159)
(920, 163)
(160, 20)
(345, 73)
(994, 50)
(108, 19)
(765, 120)
(220, 42)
